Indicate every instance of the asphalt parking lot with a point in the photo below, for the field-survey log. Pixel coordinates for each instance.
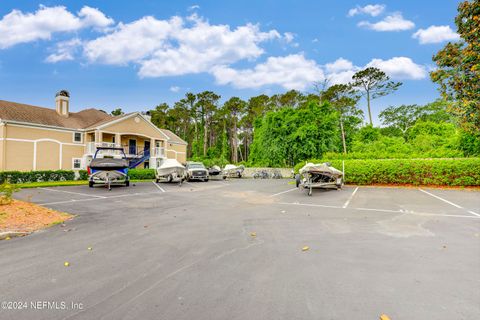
(160, 251)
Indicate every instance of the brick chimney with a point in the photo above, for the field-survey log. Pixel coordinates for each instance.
(62, 103)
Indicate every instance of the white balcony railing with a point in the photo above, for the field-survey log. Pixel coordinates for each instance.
(92, 146)
(159, 152)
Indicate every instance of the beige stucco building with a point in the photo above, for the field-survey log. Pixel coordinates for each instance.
(36, 138)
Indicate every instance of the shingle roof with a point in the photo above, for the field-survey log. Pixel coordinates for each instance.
(45, 116)
(107, 120)
(84, 119)
(172, 137)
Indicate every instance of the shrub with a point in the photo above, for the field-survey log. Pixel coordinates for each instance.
(83, 175)
(36, 176)
(6, 191)
(445, 172)
(141, 174)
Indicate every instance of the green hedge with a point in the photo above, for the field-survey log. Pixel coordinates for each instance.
(40, 176)
(444, 172)
(64, 175)
(141, 174)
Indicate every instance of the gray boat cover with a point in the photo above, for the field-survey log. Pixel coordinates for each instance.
(321, 168)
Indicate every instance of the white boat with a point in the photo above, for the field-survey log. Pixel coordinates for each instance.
(170, 169)
(231, 170)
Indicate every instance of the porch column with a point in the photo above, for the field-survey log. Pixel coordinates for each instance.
(118, 139)
(153, 156)
(98, 136)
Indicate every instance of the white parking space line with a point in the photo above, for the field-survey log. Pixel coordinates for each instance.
(382, 210)
(474, 213)
(156, 185)
(71, 192)
(309, 205)
(277, 194)
(449, 202)
(350, 198)
(111, 197)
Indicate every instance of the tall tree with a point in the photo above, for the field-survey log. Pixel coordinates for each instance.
(402, 117)
(290, 135)
(117, 112)
(405, 116)
(159, 115)
(344, 99)
(374, 83)
(458, 72)
(256, 107)
(206, 104)
(234, 107)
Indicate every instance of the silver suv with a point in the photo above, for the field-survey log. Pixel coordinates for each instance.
(196, 171)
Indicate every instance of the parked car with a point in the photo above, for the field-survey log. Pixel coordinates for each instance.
(196, 171)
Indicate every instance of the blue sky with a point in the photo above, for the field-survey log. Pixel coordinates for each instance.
(137, 54)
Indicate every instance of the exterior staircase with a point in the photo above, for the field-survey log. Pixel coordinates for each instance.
(140, 158)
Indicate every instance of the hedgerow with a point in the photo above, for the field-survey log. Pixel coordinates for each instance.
(36, 176)
(141, 174)
(445, 172)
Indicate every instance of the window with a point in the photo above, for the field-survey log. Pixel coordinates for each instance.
(77, 163)
(77, 137)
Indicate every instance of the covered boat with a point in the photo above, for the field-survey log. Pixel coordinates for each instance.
(319, 175)
(171, 170)
(231, 170)
(109, 165)
(216, 172)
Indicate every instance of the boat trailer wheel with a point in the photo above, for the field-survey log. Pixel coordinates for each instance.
(297, 180)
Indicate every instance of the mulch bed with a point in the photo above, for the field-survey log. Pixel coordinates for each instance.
(20, 216)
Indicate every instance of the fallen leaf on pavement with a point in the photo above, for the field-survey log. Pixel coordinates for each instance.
(253, 234)
(384, 317)
(66, 264)
(305, 248)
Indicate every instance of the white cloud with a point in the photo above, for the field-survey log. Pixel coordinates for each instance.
(435, 34)
(393, 22)
(174, 88)
(176, 47)
(370, 9)
(400, 68)
(340, 64)
(288, 36)
(64, 51)
(194, 7)
(133, 41)
(291, 72)
(296, 72)
(92, 17)
(18, 27)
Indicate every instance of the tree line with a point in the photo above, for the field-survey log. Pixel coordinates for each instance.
(282, 129)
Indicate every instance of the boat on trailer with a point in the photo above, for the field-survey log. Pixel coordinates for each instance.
(170, 170)
(319, 175)
(233, 171)
(108, 166)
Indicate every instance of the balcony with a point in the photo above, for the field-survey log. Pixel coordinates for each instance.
(159, 152)
(92, 146)
(130, 151)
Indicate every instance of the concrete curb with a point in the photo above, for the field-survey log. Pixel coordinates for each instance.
(12, 234)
